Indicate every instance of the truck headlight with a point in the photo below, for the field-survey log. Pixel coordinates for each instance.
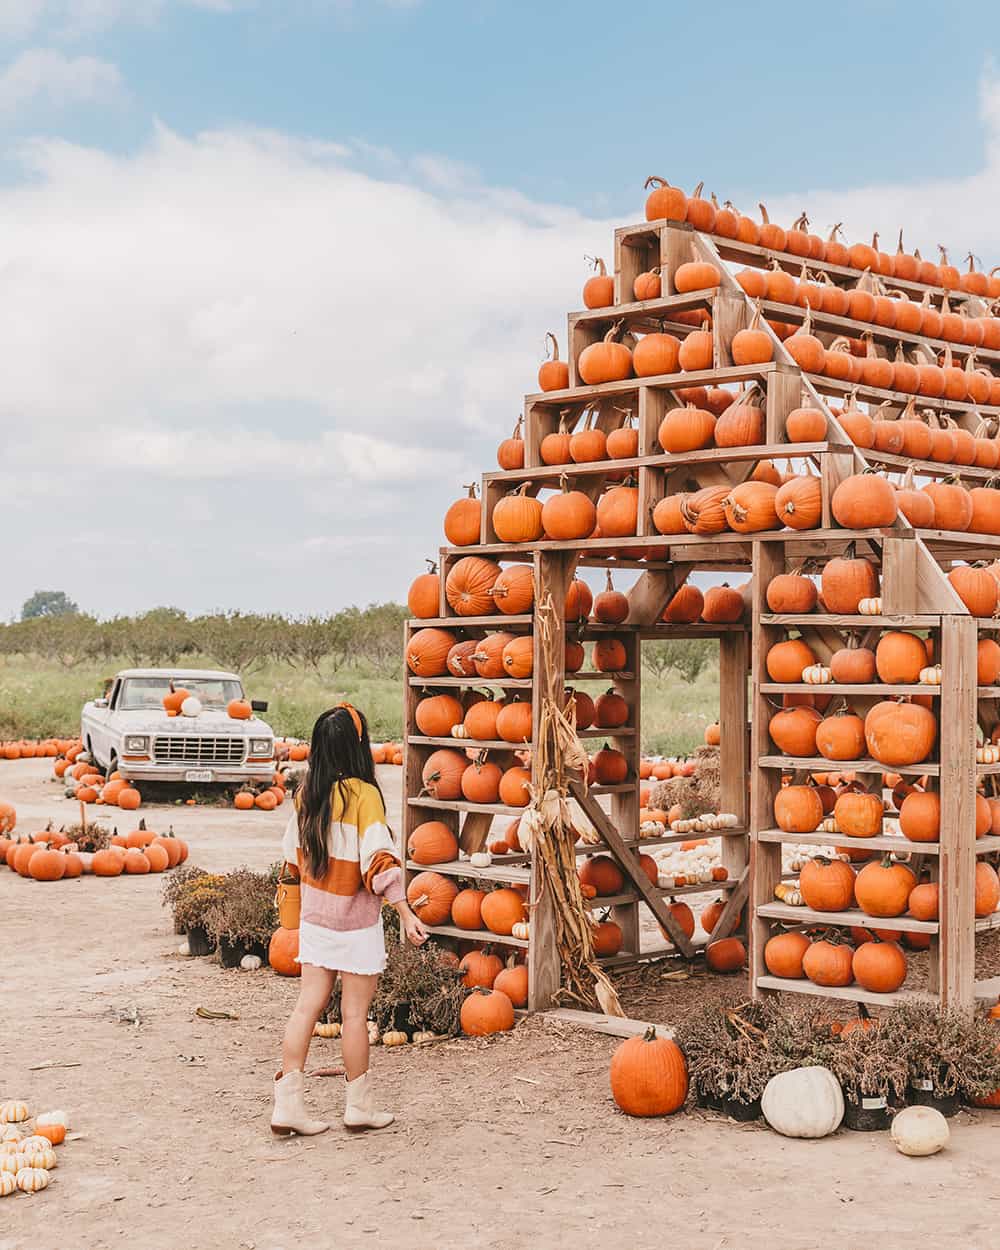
(137, 744)
(262, 746)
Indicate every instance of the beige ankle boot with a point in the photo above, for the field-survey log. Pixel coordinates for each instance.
(289, 1114)
(360, 1109)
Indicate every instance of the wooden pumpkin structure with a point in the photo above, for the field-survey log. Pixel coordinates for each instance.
(849, 481)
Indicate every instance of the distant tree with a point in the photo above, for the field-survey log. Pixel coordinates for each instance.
(685, 656)
(48, 603)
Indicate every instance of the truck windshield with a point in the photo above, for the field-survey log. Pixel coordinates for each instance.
(141, 693)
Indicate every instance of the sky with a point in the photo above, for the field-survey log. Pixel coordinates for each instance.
(276, 274)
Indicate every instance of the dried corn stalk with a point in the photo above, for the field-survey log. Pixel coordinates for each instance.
(560, 757)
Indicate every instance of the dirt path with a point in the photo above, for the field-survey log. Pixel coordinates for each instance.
(505, 1144)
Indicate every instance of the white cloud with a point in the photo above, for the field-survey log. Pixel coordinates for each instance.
(44, 77)
(220, 342)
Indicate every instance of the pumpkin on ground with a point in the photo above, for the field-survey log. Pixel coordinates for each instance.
(919, 1131)
(649, 1075)
(485, 1012)
(283, 952)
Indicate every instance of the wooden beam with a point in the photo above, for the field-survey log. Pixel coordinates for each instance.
(957, 859)
(614, 1026)
(734, 905)
(629, 863)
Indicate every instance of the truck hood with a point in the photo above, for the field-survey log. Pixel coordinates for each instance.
(208, 724)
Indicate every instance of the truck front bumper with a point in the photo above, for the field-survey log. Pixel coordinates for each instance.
(223, 774)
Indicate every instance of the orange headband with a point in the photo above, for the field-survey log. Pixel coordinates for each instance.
(353, 714)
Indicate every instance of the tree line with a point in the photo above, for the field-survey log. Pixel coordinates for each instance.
(370, 637)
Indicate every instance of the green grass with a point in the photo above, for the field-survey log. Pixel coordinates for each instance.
(39, 700)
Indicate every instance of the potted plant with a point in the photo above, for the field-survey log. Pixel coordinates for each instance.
(190, 904)
(731, 1057)
(243, 917)
(873, 1073)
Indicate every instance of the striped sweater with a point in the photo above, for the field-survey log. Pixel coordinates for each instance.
(363, 868)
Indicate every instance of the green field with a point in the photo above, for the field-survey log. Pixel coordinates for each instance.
(42, 698)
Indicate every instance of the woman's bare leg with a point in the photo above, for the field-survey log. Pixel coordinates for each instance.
(356, 996)
(314, 994)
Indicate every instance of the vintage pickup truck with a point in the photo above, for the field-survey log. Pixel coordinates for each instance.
(129, 729)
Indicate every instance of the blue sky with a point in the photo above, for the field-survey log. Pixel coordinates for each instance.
(276, 275)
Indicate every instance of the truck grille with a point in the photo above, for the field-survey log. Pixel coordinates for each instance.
(192, 750)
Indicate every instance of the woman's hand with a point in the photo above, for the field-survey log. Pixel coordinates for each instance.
(414, 930)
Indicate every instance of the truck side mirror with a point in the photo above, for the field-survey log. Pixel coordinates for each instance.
(259, 705)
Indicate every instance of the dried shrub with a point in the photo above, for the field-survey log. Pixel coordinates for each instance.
(89, 838)
(867, 1062)
(193, 897)
(417, 990)
(956, 1053)
(244, 909)
(732, 1052)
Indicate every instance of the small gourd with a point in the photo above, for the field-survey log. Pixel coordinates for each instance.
(395, 1037)
(373, 1033)
(828, 825)
(42, 1158)
(31, 1180)
(816, 675)
(459, 731)
(988, 755)
(870, 607)
(423, 1035)
(480, 859)
(9, 1135)
(250, 963)
(788, 894)
(521, 930)
(8, 1184)
(184, 948)
(13, 1112)
(11, 1161)
(321, 1029)
(35, 1142)
(930, 676)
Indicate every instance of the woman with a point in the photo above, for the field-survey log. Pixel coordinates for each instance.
(337, 844)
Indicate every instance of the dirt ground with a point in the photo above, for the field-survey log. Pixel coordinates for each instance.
(507, 1143)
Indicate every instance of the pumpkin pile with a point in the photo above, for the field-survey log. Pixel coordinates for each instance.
(39, 748)
(54, 856)
(28, 1147)
(263, 797)
(84, 781)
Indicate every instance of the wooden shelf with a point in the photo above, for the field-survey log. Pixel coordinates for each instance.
(907, 620)
(507, 874)
(505, 683)
(928, 468)
(662, 381)
(819, 764)
(795, 315)
(459, 805)
(632, 896)
(591, 676)
(876, 689)
(500, 622)
(837, 919)
(884, 842)
(663, 839)
(471, 744)
(846, 993)
(474, 935)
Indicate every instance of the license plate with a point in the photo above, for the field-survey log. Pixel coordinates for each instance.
(198, 774)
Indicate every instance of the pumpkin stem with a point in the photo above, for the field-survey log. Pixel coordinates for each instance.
(875, 240)
(431, 564)
(552, 343)
(650, 1034)
(763, 213)
(696, 193)
(598, 265)
(654, 181)
(472, 488)
(899, 245)
(944, 253)
(973, 261)
(609, 584)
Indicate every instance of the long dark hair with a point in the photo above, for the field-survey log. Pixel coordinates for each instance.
(337, 752)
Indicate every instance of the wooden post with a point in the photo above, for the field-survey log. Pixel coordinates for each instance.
(625, 806)
(765, 857)
(553, 574)
(899, 576)
(734, 751)
(729, 316)
(784, 395)
(957, 858)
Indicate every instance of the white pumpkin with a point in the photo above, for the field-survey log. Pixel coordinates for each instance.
(41, 1159)
(8, 1184)
(250, 963)
(13, 1112)
(191, 706)
(919, 1131)
(30, 1180)
(184, 948)
(480, 859)
(806, 1102)
(12, 1162)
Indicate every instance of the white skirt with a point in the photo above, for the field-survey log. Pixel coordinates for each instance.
(361, 951)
